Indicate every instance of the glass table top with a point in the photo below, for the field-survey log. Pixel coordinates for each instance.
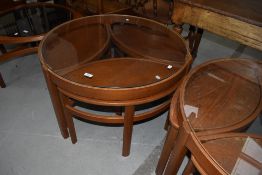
(149, 42)
(120, 73)
(222, 93)
(29, 20)
(68, 49)
(237, 155)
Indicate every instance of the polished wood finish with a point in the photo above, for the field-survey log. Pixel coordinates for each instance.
(24, 47)
(128, 129)
(68, 116)
(158, 48)
(129, 116)
(170, 137)
(124, 82)
(222, 102)
(239, 20)
(57, 105)
(107, 73)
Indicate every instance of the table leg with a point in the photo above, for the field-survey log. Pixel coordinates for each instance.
(128, 129)
(167, 123)
(2, 82)
(58, 108)
(178, 153)
(2, 48)
(168, 146)
(69, 117)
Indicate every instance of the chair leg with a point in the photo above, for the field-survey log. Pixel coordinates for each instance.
(189, 169)
(191, 36)
(69, 118)
(2, 82)
(198, 37)
(168, 146)
(128, 129)
(155, 7)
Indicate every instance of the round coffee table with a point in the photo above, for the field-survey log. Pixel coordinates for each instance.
(217, 97)
(25, 25)
(68, 55)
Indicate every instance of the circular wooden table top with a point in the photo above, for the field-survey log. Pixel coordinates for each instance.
(29, 22)
(162, 57)
(222, 93)
(139, 39)
(121, 73)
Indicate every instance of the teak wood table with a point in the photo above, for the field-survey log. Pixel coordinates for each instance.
(239, 20)
(219, 96)
(69, 55)
(25, 25)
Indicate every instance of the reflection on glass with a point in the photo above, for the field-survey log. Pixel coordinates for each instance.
(222, 93)
(191, 111)
(69, 49)
(30, 21)
(253, 149)
(250, 159)
(243, 167)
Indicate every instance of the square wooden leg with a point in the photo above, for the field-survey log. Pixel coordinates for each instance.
(2, 82)
(128, 129)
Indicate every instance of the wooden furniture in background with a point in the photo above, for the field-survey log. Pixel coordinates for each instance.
(91, 7)
(126, 83)
(239, 20)
(159, 10)
(24, 26)
(219, 96)
(7, 4)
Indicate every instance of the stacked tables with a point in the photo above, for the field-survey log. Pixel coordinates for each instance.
(151, 61)
(215, 98)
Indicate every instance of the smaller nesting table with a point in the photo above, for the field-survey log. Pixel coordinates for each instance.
(220, 96)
